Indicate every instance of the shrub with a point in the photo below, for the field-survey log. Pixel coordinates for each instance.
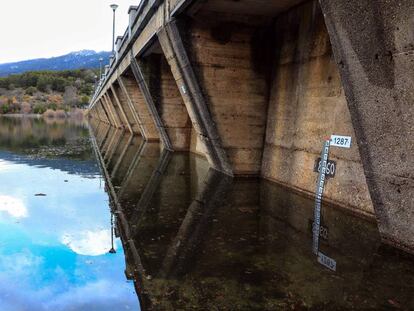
(52, 106)
(5, 108)
(85, 100)
(39, 108)
(31, 90)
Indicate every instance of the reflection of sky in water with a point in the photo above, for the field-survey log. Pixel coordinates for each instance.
(54, 249)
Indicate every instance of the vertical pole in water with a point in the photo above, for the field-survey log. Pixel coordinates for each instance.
(319, 194)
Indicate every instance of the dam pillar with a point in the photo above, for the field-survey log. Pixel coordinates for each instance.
(101, 113)
(106, 110)
(168, 101)
(373, 44)
(131, 114)
(134, 96)
(111, 110)
(173, 47)
(115, 99)
(118, 111)
(221, 68)
(96, 113)
(141, 80)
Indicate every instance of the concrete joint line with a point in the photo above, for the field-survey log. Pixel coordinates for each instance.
(136, 70)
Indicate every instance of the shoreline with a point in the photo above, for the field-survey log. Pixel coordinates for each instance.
(22, 115)
(38, 116)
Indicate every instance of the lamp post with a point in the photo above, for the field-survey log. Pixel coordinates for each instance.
(113, 7)
(112, 250)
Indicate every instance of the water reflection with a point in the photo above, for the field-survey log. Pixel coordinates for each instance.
(55, 223)
(195, 239)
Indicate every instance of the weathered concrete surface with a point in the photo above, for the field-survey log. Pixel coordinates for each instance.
(133, 116)
(307, 105)
(122, 121)
(115, 99)
(102, 113)
(114, 114)
(138, 123)
(373, 43)
(261, 8)
(142, 79)
(130, 115)
(140, 106)
(99, 114)
(172, 109)
(108, 112)
(229, 60)
(172, 44)
(168, 101)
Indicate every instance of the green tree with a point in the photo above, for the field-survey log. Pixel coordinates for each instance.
(59, 84)
(43, 83)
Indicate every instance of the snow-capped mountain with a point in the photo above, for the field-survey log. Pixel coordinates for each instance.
(73, 60)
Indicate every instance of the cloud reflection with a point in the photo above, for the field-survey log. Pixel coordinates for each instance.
(13, 206)
(89, 243)
(4, 165)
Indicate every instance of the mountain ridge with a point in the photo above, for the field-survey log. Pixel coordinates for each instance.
(84, 59)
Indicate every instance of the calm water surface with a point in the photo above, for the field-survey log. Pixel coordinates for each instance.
(54, 246)
(186, 237)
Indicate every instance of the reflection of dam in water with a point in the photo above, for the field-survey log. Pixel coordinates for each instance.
(195, 238)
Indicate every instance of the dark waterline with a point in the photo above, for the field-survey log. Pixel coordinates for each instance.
(186, 237)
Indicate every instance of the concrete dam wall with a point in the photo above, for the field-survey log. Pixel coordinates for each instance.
(257, 86)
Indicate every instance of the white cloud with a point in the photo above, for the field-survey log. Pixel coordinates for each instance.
(13, 206)
(4, 166)
(89, 243)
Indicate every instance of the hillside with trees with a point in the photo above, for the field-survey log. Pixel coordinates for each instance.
(86, 59)
(46, 91)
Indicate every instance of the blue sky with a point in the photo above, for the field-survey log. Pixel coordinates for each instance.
(53, 249)
(45, 28)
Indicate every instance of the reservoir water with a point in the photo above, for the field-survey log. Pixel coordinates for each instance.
(55, 222)
(92, 218)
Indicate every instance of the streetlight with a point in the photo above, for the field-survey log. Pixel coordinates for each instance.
(112, 250)
(113, 7)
